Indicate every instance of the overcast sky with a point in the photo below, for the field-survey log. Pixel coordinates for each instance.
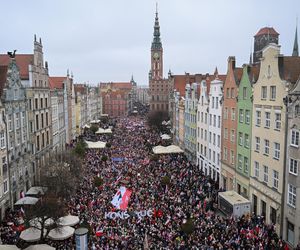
(109, 40)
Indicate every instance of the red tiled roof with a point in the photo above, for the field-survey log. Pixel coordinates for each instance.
(56, 82)
(3, 76)
(290, 68)
(23, 62)
(81, 88)
(238, 72)
(179, 84)
(267, 30)
(116, 85)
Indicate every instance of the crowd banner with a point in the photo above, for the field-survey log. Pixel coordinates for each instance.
(121, 198)
(123, 215)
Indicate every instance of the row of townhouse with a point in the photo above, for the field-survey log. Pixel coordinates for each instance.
(37, 118)
(243, 128)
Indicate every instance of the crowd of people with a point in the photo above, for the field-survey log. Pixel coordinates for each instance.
(172, 204)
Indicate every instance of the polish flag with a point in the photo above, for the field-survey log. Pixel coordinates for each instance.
(121, 198)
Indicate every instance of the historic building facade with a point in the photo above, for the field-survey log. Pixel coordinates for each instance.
(18, 158)
(229, 125)
(142, 93)
(291, 217)
(159, 87)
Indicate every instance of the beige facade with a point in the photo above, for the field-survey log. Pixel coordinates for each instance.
(268, 137)
(181, 120)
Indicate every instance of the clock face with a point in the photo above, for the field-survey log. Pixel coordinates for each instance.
(155, 56)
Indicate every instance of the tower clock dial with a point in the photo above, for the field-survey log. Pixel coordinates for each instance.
(156, 55)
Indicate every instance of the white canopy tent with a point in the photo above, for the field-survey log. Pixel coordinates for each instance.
(95, 121)
(9, 247)
(27, 200)
(98, 144)
(165, 137)
(68, 220)
(36, 222)
(31, 234)
(61, 233)
(86, 126)
(40, 247)
(36, 191)
(172, 149)
(103, 131)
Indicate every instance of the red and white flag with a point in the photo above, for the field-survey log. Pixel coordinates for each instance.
(121, 198)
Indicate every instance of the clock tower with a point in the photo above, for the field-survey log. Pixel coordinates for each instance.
(156, 52)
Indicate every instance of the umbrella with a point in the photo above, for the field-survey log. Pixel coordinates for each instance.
(36, 222)
(27, 201)
(31, 234)
(68, 220)
(9, 247)
(40, 247)
(36, 191)
(61, 233)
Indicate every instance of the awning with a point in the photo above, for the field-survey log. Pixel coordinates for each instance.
(9, 247)
(27, 201)
(95, 121)
(61, 233)
(36, 191)
(31, 234)
(172, 149)
(98, 144)
(68, 220)
(103, 131)
(36, 222)
(165, 137)
(40, 247)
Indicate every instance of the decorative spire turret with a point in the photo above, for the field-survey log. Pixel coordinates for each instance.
(156, 43)
(295, 49)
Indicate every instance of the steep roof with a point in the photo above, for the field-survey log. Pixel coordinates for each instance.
(289, 68)
(23, 62)
(79, 87)
(56, 82)
(121, 85)
(267, 31)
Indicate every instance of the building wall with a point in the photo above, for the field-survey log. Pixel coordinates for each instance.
(244, 139)
(264, 187)
(229, 125)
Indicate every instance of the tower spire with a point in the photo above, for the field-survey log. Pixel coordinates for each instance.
(156, 43)
(295, 49)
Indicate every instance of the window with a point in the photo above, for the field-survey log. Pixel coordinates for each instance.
(213, 103)
(209, 154)
(30, 104)
(201, 133)
(225, 154)
(205, 134)
(272, 93)
(290, 233)
(240, 162)
(215, 120)
(209, 137)
(240, 139)
(257, 144)
(5, 186)
(219, 121)
(232, 156)
(297, 110)
(37, 121)
(295, 138)
(214, 139)
(247, 114)
(244, 92)
(210, 119)
(291, 195)
(214, 157)
(225, 133)
(232, 137)
(258, 118)
(232, 114)
(293, 166)
(232, 92)
(247, 143)
(277, 120)
(219, 140)
(202, 117)
(38, 143)
(41, 103)
(227, 93)
(225, 113)
(241, 115)
(2, 139)
(246, 164)
(263, 92)
(217, 102)
(266, 174)
(276, 150)
(36, 103)
(267, 119)
(256, 169)
(205, 118)
(275, 179)
(267, 147)
(273, 215)
(46, 102)
(42, 119)
(47, 122)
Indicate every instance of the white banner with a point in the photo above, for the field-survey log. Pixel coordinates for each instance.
(123, 215)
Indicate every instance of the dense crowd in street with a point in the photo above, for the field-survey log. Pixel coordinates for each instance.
(167, 192)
